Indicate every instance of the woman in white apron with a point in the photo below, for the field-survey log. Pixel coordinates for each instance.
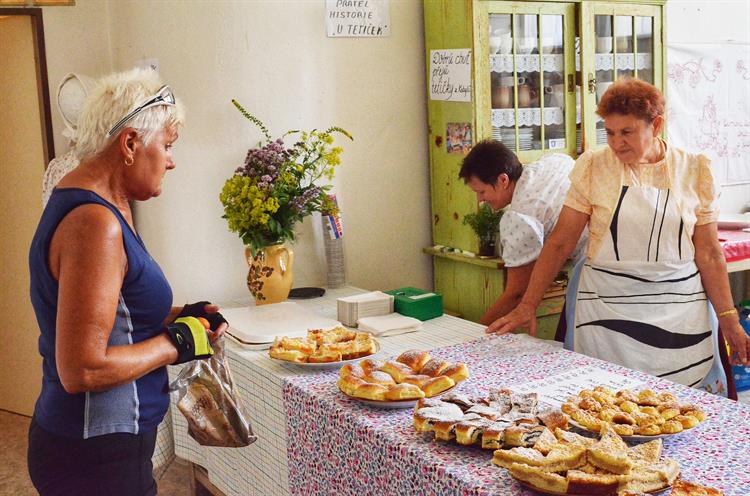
(641, 298)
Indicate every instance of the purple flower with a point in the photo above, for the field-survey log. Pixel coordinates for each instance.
(266, 178)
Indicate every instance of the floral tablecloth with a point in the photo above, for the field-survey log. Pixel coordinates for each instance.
(339, 446)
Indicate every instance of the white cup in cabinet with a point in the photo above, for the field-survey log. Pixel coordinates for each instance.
(603, 44)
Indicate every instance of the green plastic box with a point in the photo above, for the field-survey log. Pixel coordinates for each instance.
(417, 303)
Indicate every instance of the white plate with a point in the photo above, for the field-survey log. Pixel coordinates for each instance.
(393, 405)
(555, 493)
(734, 221)
(329, 365)
(635, 437)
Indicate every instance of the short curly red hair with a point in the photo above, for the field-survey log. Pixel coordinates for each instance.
(632, 97)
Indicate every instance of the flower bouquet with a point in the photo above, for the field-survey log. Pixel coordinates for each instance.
(277, 187)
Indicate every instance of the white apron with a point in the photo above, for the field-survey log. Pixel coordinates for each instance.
(640, 302)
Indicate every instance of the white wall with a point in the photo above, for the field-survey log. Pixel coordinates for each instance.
(700, 21)
(275, 58)
(76, 40)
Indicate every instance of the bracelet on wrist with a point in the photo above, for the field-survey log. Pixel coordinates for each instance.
(725, 313)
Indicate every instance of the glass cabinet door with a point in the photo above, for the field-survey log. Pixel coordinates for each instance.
(529, 104)
(618, 41)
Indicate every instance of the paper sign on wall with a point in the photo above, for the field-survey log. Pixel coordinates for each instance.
(358, 18)
(450, 75)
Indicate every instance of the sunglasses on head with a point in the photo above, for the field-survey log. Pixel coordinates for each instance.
(162, 97)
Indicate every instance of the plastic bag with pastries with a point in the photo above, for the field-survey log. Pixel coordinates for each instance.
(207, 397)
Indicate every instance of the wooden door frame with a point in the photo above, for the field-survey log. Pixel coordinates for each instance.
(37, 26)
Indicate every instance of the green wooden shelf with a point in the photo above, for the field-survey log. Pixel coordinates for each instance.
(490, 263)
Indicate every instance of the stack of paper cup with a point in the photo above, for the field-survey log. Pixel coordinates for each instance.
(352, 308)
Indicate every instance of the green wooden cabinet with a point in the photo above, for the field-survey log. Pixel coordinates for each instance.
(537, 71)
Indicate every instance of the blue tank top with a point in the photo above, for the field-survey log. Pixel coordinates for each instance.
(144, 302)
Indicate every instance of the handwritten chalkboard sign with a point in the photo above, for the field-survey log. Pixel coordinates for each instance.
(450, 75)
(358, 18)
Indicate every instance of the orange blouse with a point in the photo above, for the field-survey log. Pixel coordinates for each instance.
(598, 177)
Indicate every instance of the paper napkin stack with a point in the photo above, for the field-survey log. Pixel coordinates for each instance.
(352, 308)
(389, 325)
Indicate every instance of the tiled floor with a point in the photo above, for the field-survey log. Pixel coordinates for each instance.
(14, 477)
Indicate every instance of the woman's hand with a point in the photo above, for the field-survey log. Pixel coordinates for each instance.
(524, 315)
(210, 312)
(739, 341)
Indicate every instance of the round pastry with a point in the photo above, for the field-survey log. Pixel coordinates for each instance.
(369, 365)
(697, 413)
(434, 367)
(649, 430)
(667, 397)
(666, 405)
(587, 420)
(687, 421)
(414, 359)
(417, 380)
(378, 377)
(368, 391)
(397, 370)
(655, 419)
(590, 404)
(624, 418)
(605, 390)
(650, 410)
(629, 407)
(437, 385)
(648, 398)
(603, 398)
(349, 383)
(623, 429)
(669, 413)
(403, 392)
(458, 372)
(626, 395)
(671, 427)
(607, 414)
(351, 369)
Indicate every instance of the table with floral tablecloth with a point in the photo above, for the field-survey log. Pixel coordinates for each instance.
(339, 446)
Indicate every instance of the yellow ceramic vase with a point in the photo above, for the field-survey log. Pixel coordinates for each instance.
(270, 276)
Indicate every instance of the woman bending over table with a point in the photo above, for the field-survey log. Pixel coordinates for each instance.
(640, 298)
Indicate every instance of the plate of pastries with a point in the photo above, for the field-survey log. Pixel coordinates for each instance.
(503, 419)
(634, 415)
(325, 349)
(400, 383)
(566, 463)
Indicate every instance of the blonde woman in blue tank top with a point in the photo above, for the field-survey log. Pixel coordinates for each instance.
(107, 325)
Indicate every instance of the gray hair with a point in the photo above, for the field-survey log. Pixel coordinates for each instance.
(111, 99)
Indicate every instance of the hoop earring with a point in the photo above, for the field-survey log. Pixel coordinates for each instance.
(131, 161)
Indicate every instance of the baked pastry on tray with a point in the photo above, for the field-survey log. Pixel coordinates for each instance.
(630, 413)
(412, 375)
(579, 465)
(503, 419)
(324, 346)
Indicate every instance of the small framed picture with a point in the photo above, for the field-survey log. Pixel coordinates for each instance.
(458, 137)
